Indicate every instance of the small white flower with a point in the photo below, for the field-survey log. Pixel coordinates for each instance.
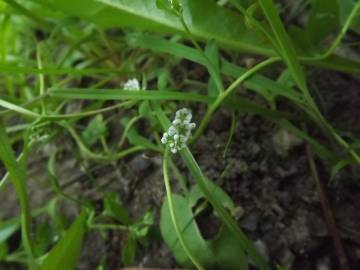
(164, 139)
(180, 131)
(172, 131)
(132, 85)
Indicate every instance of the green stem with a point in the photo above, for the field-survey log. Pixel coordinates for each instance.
(220, 98)
(172, 212)
(108, 227)
(339, 37)
(41, 78)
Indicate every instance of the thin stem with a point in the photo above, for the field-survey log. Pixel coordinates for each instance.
(212, 108)
(127, 128)
(340, 36)
(41, 78)
(108, 227)
(172, 212)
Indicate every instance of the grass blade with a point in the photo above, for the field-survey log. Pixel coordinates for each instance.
(17, 174)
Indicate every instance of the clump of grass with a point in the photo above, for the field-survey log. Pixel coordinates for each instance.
(66, 74)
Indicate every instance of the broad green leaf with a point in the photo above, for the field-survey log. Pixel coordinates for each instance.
(228, 252)
(212, 254)
(190, 232)
(145, 15)
(66, 252)
(226, 27)
(196, 193)
(115, 209)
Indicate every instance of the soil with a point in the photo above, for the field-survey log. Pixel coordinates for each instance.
(268, 178)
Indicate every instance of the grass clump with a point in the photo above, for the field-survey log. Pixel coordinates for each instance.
(70, 74)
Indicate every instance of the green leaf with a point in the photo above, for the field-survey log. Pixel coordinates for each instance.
(212, 54)
(283, 42)
(7, 228)
(43, 238)
(17, 173)
(341, 164)
(3, 250)
(226, 27)
(142, 227)
(172, 6)
(114, 208)
(66, 252)
(196, 193)
(198, 247)
(129, 250)
(228, 252)
(94, 130)
(323, 19)
(145, 15)
(213, 254)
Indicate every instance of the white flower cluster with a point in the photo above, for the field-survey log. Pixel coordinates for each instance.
(132, 85)
(180, 131)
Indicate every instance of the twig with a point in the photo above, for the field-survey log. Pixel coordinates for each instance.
(328, 214)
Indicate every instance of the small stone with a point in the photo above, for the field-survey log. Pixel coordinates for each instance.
(284, 141)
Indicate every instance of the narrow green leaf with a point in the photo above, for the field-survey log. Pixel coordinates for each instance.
(16, 108)
(7, 228)
(17, 174)
(238, 103)
(128, 251)
(287, 51)
(66, 252)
